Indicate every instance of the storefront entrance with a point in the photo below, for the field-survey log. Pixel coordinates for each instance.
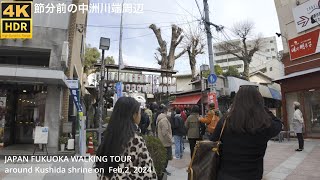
(24, 109)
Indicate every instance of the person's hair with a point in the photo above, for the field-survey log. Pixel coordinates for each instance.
(178, 111)
(148, 106)
(120, 130)
(247, 113)
(211, 105)
(195, 109)
(163, 108)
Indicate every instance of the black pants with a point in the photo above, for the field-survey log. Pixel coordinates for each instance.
(169, 155)
(300, 140)
(192, 142)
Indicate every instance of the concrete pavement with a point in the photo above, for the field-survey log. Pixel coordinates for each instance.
(281, 162)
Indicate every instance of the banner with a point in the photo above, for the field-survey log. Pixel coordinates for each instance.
(74, 90)
(212, 98)
(304, 45)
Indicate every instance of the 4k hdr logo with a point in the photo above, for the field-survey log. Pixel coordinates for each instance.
(16, 20)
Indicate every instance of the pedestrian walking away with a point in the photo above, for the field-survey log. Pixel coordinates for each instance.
(164, 133)
(192, 125)
(178, 131)
(249, 126)
(122, 138)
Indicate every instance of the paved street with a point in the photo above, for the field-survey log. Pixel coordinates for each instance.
(281, 162)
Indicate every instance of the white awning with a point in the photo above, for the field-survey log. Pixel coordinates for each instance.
(32, 75)
(235, 83)
(300, 73)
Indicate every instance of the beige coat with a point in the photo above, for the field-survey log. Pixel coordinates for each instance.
(192, 125)
(164, 130)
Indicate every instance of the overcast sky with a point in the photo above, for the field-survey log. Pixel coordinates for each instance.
(139, 42)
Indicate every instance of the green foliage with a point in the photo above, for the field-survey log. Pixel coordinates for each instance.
(217, 70)
(109, 60)
(92, 54)
(232, 71)
(157, 152)
(63, 140)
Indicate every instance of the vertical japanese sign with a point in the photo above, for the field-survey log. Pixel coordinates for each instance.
(212, 98)
(74, 90)
(16, 20)
(304, 45)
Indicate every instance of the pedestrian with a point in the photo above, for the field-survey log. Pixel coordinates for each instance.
(248, 128)
(183, 114)
(150, 115)
(211, 119)
(178, 131)
(192, 125)
(298, 124)
(155, 113)
(122, 138)
(173, 113)
(145, 122)
(164, 133)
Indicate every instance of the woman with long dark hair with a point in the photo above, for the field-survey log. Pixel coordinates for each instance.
(122, 138)
(249, 126)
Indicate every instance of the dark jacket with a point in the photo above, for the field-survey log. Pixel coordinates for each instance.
(144, 123)
(242, 153)
(177, 125)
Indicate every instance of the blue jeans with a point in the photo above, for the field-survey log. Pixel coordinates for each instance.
(178, 146)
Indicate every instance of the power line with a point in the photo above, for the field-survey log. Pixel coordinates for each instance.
(115, 27)
(162, 12)
(185, 9)
(199, 9)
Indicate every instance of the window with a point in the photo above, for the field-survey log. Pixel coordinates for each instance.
(270, 69)
(272, 49)
(267, 50)
(271, 41)
(268, 58)
(273, 57)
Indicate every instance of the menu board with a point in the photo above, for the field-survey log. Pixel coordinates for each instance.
(41, 135)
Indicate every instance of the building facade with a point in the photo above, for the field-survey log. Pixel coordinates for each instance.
(34, 73)
(266, 60)
(301, 59)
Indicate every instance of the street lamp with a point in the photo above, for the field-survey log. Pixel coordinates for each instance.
(104, 45)
(203, 67)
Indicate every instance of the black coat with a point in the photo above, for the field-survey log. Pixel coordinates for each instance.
(178, 127)
(144, 123)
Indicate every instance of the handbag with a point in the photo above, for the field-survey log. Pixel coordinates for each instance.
(205, 160)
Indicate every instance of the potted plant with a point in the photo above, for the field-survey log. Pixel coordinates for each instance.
(63, 140)
(158, 154)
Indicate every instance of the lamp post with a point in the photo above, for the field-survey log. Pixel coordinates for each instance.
(104, 45)
(203, 67)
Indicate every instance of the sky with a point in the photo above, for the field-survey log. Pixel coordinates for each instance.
(139, 43)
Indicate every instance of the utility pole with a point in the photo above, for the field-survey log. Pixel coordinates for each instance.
(101, 93)
(209, 35)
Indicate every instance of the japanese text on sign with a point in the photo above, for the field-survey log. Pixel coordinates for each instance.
(61, 8)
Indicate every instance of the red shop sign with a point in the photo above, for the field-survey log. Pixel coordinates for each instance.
(304, 45)
(212, 98)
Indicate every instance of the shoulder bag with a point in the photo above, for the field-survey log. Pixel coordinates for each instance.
(205, 160)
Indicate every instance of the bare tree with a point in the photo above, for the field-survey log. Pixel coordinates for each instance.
(242, 50)
(167, 60)
(194, 43)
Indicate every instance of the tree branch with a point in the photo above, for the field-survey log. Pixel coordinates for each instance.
(180, 54)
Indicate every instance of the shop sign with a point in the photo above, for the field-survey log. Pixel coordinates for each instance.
(212, 98)
(307, 15)
(304, 45)
(74, 90)
(41, 135)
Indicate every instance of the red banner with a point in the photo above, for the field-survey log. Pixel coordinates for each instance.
(304, 45)
(212, 98)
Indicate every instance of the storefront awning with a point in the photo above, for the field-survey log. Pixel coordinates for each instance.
(190, 100)
(275, 94)
(32, 75)
(300, 73)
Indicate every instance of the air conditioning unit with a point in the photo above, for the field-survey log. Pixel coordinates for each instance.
(65, 54)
